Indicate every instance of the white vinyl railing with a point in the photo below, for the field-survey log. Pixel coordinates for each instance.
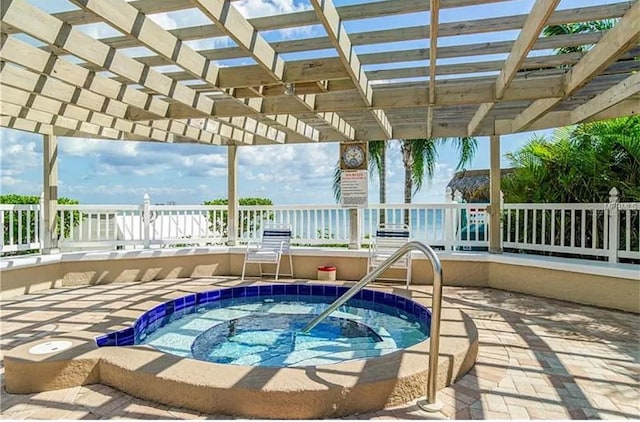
(577, 229)
(141, 225)
(593, 230)
(20, 226)
(311, 224)
(568, 228)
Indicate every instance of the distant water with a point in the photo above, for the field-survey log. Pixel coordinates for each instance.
(334, 224)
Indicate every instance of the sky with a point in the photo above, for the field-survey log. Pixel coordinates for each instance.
(119, 172)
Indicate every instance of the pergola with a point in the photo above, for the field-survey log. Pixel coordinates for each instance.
(70, 84)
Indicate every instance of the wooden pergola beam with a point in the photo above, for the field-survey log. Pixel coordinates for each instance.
(433, 50)
(233, 24)
(28, 113)
(18, 123)
(71, 113)
(607, 11)
(228, 20)
(48, 29)
(616, 41)
(553, 119)
(131, 21)
(612, 96)
(280, 21)
(101, 93)
(335, 98)
(533, 25)
(328, 15)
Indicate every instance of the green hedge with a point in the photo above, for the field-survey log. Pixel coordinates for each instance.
(28, 223)
(248, 223)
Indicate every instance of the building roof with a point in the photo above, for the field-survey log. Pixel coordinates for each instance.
(346, 84)
(474, 184)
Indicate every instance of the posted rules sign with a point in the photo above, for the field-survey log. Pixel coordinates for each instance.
(354, 186)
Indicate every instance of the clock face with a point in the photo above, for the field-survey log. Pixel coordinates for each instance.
(353, 156)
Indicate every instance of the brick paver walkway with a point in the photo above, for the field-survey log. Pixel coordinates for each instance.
(538, 359)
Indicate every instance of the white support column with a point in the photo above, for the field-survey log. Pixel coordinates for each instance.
(355, 231)
(146, 221)
(232, 187)
(613, 242)
(495, 242)
(50, 200)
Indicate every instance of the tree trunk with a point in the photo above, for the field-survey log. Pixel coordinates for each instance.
(407, 161)
(382, 177)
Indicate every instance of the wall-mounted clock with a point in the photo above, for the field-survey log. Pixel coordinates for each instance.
(353, 156)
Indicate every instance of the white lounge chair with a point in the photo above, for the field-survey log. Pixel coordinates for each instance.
(275, 242)
(389, 238)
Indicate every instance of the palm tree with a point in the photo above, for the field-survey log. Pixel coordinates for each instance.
(578, 28)
(377, 165)
(419, 156)
(578, 164)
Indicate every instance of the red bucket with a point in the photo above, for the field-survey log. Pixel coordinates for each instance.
(326, 273)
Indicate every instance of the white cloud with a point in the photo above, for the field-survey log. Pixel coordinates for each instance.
(118, 190)
(256, 8)
(20, 162)
(83, 146)
(164, 20)
(10, 181)
(289, 163)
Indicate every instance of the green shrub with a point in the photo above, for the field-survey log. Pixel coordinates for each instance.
(250, 222)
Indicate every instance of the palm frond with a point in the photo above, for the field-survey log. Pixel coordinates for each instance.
(337, 179)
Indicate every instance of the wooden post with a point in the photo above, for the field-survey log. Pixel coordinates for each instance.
(50, 194)
(232, 188)
(614, 225)
(495, 241)
(146, 221)
(355, 233)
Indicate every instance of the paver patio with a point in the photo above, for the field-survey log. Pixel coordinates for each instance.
(538, 358)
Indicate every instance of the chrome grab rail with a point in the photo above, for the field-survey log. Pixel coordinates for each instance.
(435, 308)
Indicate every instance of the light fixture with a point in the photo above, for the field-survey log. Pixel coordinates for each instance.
(289, 88)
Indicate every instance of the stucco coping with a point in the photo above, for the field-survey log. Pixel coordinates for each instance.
(303, 392)
(583, 266)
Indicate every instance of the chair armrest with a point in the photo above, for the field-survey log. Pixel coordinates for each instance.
(253, 246)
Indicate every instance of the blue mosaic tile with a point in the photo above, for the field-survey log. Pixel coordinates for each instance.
(157, 313)
(214, 295)
(124, 337)
(291, 289)
(106, 340)
(264, 290)
(175, 309)
(178, 304)
(401, 303)
(378, 297)
(304, 290)
(252, 291)
(238, 292)
(331, 291)
(367, 295)
(389, 299)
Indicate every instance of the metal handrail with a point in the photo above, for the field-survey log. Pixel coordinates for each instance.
(435, 307)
